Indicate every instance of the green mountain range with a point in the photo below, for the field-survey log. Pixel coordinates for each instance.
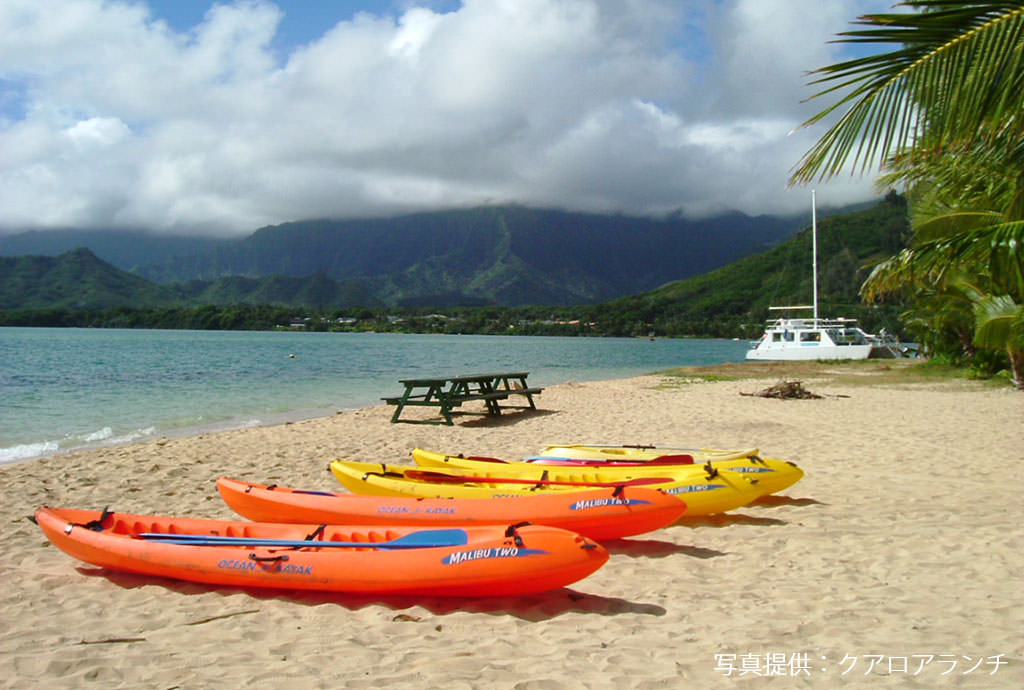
(75, 280)
(79, 280)
(726, 301)
(503, 255)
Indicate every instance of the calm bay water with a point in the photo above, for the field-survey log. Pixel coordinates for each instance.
(63, 389)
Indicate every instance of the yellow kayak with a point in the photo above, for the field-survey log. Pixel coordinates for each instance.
(770, 475)
(704, 492)
(640, 453)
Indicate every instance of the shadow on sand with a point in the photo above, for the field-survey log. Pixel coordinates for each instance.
(505, 419)
(727, 520)
(652, 548)
(773, 501)
(532, 607)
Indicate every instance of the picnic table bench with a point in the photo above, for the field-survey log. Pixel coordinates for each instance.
(448, 393)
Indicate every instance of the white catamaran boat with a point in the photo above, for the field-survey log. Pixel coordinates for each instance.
(787, 338)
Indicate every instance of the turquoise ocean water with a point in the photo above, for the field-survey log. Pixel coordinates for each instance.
(63, 389)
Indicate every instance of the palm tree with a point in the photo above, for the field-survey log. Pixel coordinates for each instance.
(944, 113)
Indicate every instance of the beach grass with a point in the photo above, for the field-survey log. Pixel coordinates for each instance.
(868, 372)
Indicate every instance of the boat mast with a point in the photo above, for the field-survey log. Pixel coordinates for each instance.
(814, 253)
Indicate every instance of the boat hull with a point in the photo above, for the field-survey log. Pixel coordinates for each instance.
(599, 514)
(703, 494)
(809, 352)
(535, 558)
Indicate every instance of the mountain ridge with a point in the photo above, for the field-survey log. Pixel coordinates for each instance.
(502, 255)
(730, 301)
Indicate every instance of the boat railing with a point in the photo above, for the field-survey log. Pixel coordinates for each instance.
(811, 323)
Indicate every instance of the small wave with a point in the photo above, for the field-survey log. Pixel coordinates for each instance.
(95, 439)
(106, 436)
(27, 451)
(101, 435)
(134, 435)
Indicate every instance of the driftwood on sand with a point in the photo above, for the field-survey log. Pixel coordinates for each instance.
(785, 390)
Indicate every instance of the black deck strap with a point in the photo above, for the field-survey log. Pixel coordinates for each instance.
(97, 524)
(382, 474)
(540, 482)
(316, 533)
(620, 491)
(511, 531)
(271, 487)
(266, 559)
(712, 472)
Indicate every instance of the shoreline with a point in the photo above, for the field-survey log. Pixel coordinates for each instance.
(715, 371)
(111, 389)
(145, 436)
(901, 542)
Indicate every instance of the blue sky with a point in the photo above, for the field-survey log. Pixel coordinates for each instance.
(303, 21)
(188, 116)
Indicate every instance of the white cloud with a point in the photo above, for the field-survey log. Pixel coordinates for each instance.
(97, 133)
(604, 105)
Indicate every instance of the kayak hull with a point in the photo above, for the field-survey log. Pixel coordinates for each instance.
(599, 514)
(638, 453)
(770, 475)
(486, 562)
(703, 494)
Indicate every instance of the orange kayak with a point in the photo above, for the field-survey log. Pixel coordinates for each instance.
(366, 559)
(597, 513)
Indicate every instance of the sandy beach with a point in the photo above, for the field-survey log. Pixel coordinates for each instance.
(895, 563)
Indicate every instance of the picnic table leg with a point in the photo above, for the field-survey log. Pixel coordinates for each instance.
(444, 402)
(529, 397)
(493, 404)
(399, 406)
(446, 413)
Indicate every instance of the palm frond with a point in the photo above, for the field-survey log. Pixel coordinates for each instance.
(999, 323)
(996, 249)
(953, 224)
(960, 68)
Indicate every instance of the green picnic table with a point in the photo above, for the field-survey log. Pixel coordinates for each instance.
(448, 393)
